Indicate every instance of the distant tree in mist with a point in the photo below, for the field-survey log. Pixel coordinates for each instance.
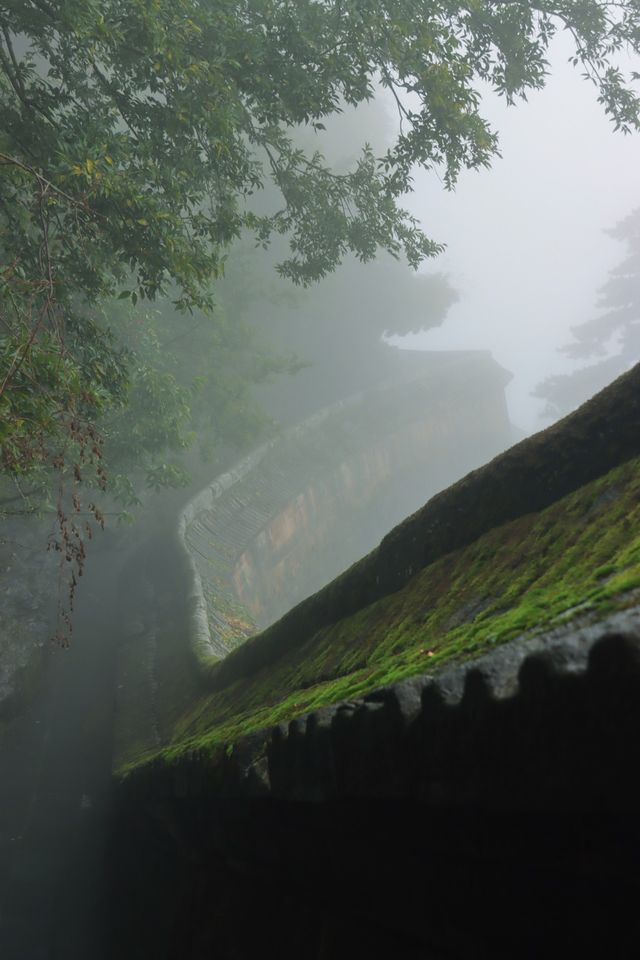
(333, 332)
(613, 334)
(336, 331)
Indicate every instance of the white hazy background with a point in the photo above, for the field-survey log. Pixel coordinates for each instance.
(525, 241)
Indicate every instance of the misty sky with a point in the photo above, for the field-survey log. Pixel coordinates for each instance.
(525, 239)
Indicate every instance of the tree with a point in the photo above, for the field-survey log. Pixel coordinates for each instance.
(612, 334)
(137, 135)
(336, 329)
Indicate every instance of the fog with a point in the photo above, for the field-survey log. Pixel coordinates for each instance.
(263, 439)
(526, 248)
(525, 243)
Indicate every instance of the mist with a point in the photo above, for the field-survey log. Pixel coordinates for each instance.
(270, 505)
(525, 239)
(526, 248)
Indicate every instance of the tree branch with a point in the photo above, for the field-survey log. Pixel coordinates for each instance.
(7, 160)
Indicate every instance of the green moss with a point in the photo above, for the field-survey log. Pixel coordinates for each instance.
(578, 558)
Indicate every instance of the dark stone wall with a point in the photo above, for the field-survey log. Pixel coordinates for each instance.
(490, 811)
(487, 811)
(381, 880)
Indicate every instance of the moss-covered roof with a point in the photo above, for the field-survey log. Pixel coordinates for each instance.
(578, 558)
(548, 533)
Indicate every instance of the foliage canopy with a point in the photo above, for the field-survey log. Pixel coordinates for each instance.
(136, 136)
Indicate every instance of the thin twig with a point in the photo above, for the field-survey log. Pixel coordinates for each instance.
(7, 160)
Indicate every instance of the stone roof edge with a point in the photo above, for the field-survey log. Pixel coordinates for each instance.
(387, 742)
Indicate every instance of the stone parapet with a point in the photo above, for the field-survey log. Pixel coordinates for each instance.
(291, 515)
